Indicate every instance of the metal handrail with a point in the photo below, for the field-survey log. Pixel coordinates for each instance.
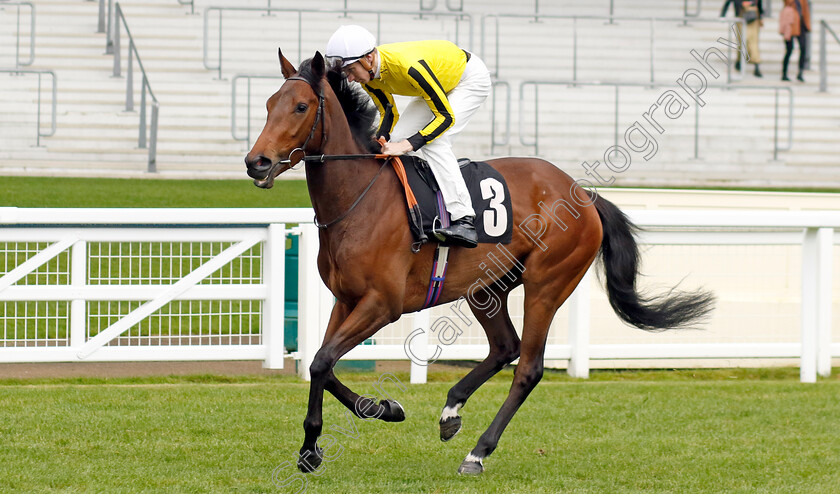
(574, 18)
(114, 43)
(31, 32)
(191, 3)
(617, 85)
(824, 27)
(54, 99)
(100, 25)
(300, 12)
(506, 140)
(612, 10)
(247, 137)
(248, 77)
(451, 7)
(696, 11)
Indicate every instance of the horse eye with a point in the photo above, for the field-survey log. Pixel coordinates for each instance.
(301, 108)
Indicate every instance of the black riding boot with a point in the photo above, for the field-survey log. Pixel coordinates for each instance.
(461, 232)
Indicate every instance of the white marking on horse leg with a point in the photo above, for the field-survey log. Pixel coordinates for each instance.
(450, 412)
(474, 459)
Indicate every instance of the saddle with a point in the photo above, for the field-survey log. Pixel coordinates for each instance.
(426, 211)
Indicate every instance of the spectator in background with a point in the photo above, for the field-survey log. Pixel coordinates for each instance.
(751, 11)
(802, 8)
(790, 27)
(726, 7)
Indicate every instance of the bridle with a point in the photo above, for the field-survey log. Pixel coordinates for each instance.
(319, 117)
(289, 164)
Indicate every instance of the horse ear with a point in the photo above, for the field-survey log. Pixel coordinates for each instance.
(286, 66)
(318, 65)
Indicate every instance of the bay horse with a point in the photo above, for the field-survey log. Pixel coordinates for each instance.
(366, 260)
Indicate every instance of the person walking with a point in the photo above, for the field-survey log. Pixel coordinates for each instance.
(752, 12)
(790, 29)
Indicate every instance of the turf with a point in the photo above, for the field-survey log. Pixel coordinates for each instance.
(136, 193)
(733, 430)
(624, 432)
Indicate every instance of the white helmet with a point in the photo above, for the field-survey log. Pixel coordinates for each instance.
(348, 44)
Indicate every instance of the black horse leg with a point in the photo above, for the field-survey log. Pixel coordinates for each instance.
(387, 410)
(504, 349)
(529, 371)
(343, 333)
(362, 407)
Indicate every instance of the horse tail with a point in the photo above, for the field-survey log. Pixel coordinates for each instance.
(620, 256)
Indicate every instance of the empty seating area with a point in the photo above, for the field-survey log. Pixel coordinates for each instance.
(627, 64)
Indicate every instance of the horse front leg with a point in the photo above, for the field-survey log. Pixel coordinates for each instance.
(347, 328)
(364, 407)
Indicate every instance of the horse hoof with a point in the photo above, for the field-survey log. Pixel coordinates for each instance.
(394, 412)
(449, 427)
(309, 461)
(471, 466)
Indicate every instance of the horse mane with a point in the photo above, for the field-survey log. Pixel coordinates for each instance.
(361, 114)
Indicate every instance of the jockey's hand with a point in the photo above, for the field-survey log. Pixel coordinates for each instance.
(398, 148)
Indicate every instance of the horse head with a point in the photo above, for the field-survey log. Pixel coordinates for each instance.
(295, 122)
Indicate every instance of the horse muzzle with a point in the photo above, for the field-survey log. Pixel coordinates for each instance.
(263, 171)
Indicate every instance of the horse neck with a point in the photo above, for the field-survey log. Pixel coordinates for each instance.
(335, 185)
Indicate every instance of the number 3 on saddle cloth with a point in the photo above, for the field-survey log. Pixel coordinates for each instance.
(490, 200)
(488, 191)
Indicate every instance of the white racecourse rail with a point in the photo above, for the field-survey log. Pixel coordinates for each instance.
(208, 284)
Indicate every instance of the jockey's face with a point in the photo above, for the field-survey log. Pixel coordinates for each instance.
(358, 71)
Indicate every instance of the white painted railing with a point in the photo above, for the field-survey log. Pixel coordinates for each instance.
(107, 272)
(77, 284)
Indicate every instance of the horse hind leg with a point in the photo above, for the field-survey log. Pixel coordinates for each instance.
(504, 349)
(545, 291)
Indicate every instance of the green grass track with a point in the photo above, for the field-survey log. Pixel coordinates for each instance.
(62, 192)
(682, 432)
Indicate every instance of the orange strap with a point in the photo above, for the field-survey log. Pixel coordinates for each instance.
(397, 163)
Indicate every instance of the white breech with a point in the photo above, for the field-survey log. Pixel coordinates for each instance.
(466, 98)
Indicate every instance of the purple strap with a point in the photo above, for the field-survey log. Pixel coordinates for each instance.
(436, 282)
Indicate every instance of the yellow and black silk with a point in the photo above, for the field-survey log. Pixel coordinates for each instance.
(426, 69)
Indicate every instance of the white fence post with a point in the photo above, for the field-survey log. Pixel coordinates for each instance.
(579, 327)
(308, 299)
(817, 247)
(825, 240)
(274, 276)
(78, 307)
(421, 320)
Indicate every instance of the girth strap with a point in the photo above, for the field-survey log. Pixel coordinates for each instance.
(438, 275)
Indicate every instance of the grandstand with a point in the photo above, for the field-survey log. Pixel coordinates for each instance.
(193, 53)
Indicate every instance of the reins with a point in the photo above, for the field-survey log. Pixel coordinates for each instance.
(344, 157)
(323, 226)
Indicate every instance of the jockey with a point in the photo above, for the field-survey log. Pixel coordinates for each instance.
(447, 85)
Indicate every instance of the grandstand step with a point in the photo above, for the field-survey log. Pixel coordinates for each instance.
(736, 127)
